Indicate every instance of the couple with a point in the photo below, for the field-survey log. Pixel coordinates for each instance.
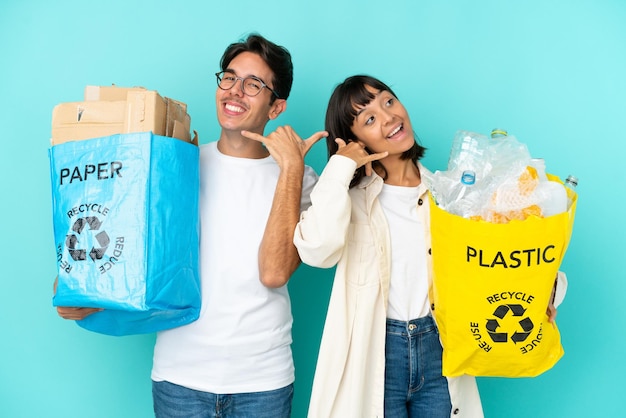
(380, 353)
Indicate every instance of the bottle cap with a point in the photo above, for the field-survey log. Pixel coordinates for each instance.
(498, 133)
(572, 179)
(468, 177)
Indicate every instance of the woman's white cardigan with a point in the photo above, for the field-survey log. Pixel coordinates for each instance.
(347, 228)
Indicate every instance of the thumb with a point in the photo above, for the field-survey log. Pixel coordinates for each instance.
(310, 141)
(378, 156)
(253, 135)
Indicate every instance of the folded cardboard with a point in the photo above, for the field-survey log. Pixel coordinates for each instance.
(110, 110)
(109, 93)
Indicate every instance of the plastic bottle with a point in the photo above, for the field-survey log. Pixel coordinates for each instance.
(570, 183)
(539, 164)
(468, 153)
(552, 197)
(459, 201)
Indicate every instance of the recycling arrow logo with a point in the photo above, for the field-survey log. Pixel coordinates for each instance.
(518, 335)
(86, 230)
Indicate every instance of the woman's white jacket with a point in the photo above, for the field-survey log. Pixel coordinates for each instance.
(347, 228)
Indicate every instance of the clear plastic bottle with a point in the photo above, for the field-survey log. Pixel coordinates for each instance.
(460, 201)
(468, 153)
(570, 183)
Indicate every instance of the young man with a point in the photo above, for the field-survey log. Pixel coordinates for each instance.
(236, 360)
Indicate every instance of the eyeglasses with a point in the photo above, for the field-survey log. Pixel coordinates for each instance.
(251, 85)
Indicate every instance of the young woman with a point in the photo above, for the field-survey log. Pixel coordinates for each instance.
(380, 353)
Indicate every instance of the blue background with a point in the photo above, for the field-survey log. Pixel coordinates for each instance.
(551, 72)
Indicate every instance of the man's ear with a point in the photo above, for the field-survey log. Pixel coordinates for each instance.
(277, 108)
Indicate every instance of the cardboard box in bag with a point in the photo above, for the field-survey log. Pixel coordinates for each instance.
(110, 110)
(109, 93)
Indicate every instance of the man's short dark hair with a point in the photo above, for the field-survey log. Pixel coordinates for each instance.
(275, 56)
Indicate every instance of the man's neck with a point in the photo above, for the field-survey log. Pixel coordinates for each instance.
(235, 145)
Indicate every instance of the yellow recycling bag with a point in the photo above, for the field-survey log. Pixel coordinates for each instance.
(492, 286)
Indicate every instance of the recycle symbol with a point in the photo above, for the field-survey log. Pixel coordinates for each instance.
(518, 336)
(101, 238)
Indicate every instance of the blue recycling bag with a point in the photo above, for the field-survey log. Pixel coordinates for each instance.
(126, 231)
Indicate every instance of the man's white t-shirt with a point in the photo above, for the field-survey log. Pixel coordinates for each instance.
(242, 340)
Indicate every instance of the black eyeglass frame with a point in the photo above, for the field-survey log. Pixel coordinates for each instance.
(219, 75)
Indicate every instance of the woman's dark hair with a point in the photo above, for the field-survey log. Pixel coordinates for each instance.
(275, 56)
(342, 110)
